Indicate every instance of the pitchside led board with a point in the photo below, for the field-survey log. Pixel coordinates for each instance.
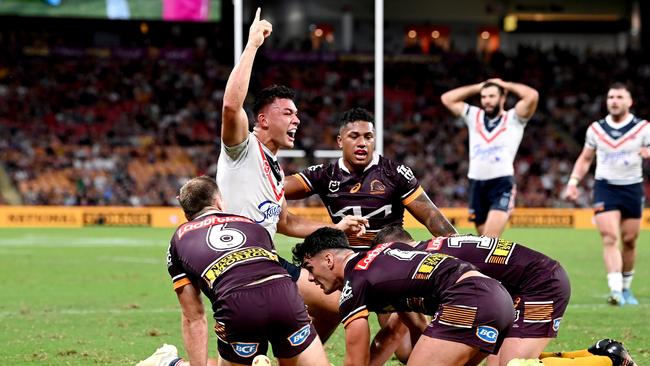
(172, 10)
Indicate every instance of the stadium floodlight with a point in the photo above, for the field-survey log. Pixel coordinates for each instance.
(379, 76)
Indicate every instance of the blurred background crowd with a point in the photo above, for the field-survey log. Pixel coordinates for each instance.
(128, 124)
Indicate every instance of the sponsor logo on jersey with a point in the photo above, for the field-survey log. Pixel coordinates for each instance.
(428, 265)
(314, 167)
(365, 262)
(334, 186)
(299, 337)
(209, 221)
(556, 324)
(270, 211)
(355, 188)
(245, 349)
(402, 254)
(406, 172)
(435, 243)
(346, 293)
(501, 252)
(487, 334)
(516, 319)
(232, 259)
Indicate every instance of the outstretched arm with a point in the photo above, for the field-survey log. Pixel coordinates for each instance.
(454, 99)
(294, 189)
(300, 227)
(234, 122)
(527, 104)
(430, 216)
(357, 340)
(580, 168)
(193, 324)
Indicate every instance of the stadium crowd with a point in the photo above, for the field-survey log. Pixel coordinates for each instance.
(103, 129)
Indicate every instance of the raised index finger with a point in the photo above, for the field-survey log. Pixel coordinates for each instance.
(257, 14)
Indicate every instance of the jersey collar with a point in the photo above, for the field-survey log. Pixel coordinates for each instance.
(618, 125)
(373, 162)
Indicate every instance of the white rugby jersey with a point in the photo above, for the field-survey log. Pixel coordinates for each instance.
(251, 182)
(617, 148)
(493, 143)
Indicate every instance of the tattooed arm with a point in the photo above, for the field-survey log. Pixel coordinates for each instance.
(430, 216)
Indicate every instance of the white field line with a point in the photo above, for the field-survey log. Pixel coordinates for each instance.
(54, 242)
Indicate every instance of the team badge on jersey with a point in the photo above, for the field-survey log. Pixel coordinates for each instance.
(334, 186)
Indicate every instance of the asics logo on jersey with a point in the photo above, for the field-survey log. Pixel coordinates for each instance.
(270, 211)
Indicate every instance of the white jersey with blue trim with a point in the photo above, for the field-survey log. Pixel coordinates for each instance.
(617, 148)
(251, 182)
(493, 142)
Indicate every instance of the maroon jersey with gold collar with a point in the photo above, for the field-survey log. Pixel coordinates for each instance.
(221, 252)
(379, 193)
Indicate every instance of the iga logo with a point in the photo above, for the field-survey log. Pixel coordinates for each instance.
(487, 334)
(245, 349)
(299, 337)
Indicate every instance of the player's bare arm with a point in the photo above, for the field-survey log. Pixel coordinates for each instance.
(193, 324)
(299, 227)
(580, 168)
(527, 104)
(645, 152)
(430, 216)
(294, 189)
(454, 99)
(387, 340)
(234, 122)
(357, 339)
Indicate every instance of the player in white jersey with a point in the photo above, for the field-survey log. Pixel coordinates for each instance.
(619, 142)
(252, 180)
(494, 137)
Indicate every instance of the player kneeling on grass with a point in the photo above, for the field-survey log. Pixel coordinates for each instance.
(473, 310)
(233, 261)
(538, 284)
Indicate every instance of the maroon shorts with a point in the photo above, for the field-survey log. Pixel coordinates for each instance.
(476, 311)
(251, 317)
(539, 307)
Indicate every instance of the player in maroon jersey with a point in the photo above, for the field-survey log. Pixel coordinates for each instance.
(366, 184)
(471, 311)
(233, 261)
(538, 284)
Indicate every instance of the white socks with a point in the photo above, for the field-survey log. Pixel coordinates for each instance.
(627, 279)
(615, 281)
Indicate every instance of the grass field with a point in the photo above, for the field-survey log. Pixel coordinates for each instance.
(102, 296)
(139, 9)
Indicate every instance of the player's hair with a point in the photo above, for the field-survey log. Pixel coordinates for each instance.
(488, 84)
(267, 95)
(620, 85)
(197, 194)
(355, 114)
(321, 239)
(389, 233)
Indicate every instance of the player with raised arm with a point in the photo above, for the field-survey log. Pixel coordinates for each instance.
(250, 176)
(233, 261)
(494, 137)
(472, 312)
(620, 142)
(364, 183)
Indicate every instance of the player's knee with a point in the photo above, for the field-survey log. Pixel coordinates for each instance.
(629, 240)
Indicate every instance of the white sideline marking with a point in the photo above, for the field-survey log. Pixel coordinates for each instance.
(44, 241)
(137, 260)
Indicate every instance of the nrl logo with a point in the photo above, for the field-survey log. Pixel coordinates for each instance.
(334, 186)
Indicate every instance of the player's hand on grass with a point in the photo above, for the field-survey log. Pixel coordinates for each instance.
(260, 29)
(353, 225)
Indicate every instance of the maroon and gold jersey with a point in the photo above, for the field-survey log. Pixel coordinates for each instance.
(515, 266)
(379, 193)
(395, 277)
(219, 252)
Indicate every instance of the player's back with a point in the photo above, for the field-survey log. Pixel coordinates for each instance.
(512, 264)
(222, 252)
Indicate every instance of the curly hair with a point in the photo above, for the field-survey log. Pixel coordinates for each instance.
(355, 114)
(321, 239)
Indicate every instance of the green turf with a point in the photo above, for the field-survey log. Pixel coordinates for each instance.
(139, 9)
(102, 296)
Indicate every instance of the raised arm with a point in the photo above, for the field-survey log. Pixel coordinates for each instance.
(454, 99)
(527, 104)
(430, 216)
(580, 168)
(234, 122)
(193, 324)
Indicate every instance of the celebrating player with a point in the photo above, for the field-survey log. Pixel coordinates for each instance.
(366, 184)
(232, 260)
(494, 137)
(473, 311)
(619, 141)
